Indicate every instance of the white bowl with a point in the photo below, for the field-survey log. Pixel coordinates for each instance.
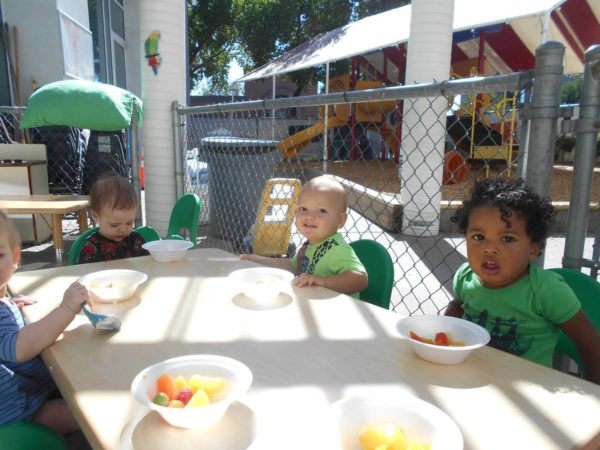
(472, 335)
(110, 286)
(237, 378)
(262, 284)
(168, 250)
(419, 420)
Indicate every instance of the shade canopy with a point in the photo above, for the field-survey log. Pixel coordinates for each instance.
(511, 29)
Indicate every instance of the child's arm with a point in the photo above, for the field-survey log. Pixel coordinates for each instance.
(454, 309)
(347, 282)
(278, 263)
(587, 340)
(35, 337)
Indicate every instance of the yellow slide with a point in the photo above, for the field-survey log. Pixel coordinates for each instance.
(294, 144)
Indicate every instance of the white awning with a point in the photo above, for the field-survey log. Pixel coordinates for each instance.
(527, 18)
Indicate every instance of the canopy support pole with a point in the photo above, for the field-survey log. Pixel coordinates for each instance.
(326, 120)
(135, 163)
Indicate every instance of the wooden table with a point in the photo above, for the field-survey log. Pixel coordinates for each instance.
(56, 206)
(319, 348)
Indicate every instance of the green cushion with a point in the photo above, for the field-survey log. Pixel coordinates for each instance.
(81, 104)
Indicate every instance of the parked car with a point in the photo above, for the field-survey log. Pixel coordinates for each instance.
(197, 171)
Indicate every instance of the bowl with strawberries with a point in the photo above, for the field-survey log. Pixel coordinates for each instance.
(192, 391)
(442, 339)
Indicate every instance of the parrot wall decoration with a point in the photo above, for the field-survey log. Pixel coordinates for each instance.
(151, 49)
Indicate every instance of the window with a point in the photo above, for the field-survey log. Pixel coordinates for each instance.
(107, 22)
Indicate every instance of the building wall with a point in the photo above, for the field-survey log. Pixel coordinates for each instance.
(39, 46)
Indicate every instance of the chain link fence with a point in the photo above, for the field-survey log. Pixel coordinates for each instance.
(240, 146)
(356, 135)
(75, 158)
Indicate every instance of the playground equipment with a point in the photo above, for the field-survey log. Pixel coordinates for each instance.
(372, 114)
(272, 229)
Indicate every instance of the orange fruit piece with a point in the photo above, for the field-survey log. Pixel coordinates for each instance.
(165, 383)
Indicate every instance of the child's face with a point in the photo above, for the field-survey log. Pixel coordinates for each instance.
(9, 261)
(115, 224)
(498, 253)
(319, 214)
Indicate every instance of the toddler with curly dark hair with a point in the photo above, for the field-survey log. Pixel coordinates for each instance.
(519, 303)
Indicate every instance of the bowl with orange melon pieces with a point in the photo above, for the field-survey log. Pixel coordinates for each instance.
(392, 423)
(192, 391)
(442, 339)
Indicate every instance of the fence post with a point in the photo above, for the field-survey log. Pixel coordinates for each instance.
(587, 127)
(135, 162)
(177, 149)
(543, 116)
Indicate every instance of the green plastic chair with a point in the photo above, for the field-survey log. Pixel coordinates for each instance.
(380, 269)
(148, 233)
(184, 217)
(587, 290)
(29, 435)
(75, 249)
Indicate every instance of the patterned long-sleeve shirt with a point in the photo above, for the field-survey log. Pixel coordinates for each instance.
(97, 248)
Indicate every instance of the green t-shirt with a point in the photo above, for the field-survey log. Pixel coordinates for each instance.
(331, 256)
(522, 318)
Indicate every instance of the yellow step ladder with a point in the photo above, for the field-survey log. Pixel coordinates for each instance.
(272, 230)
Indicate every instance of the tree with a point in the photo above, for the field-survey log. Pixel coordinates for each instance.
(211, 41)
(254, 32)
(570, 89)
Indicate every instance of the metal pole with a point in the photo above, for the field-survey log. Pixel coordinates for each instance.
(585, 153)
(135, 163)
(326, 120)
(543, 115)
(177, 149)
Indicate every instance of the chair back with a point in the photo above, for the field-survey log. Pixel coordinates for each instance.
(148, 233)
(184, 218)
(75, 249)
(587, 290)
(380, 269)
(28, 435)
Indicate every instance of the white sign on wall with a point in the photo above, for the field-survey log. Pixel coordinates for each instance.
(77, 48)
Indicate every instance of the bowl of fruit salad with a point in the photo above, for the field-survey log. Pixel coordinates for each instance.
(442, 339)
(192, 391)
(112, 286)
(391, 423)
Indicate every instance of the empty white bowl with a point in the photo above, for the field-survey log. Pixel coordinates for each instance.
(262, 284)
(168, 250)
(472, 335)
(236, 375)
(116, 285)
(419, 420)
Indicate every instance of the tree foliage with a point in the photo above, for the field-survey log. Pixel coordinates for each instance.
(254, 32)
(570, 89)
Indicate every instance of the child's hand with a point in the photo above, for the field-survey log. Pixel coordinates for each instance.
(74, 297)
(305, 279)
(248, 257)
(23, 300)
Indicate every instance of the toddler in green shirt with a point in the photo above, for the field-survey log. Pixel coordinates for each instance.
(325, 259)
(499, 288)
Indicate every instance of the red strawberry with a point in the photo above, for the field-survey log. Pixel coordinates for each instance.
(184, 395)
